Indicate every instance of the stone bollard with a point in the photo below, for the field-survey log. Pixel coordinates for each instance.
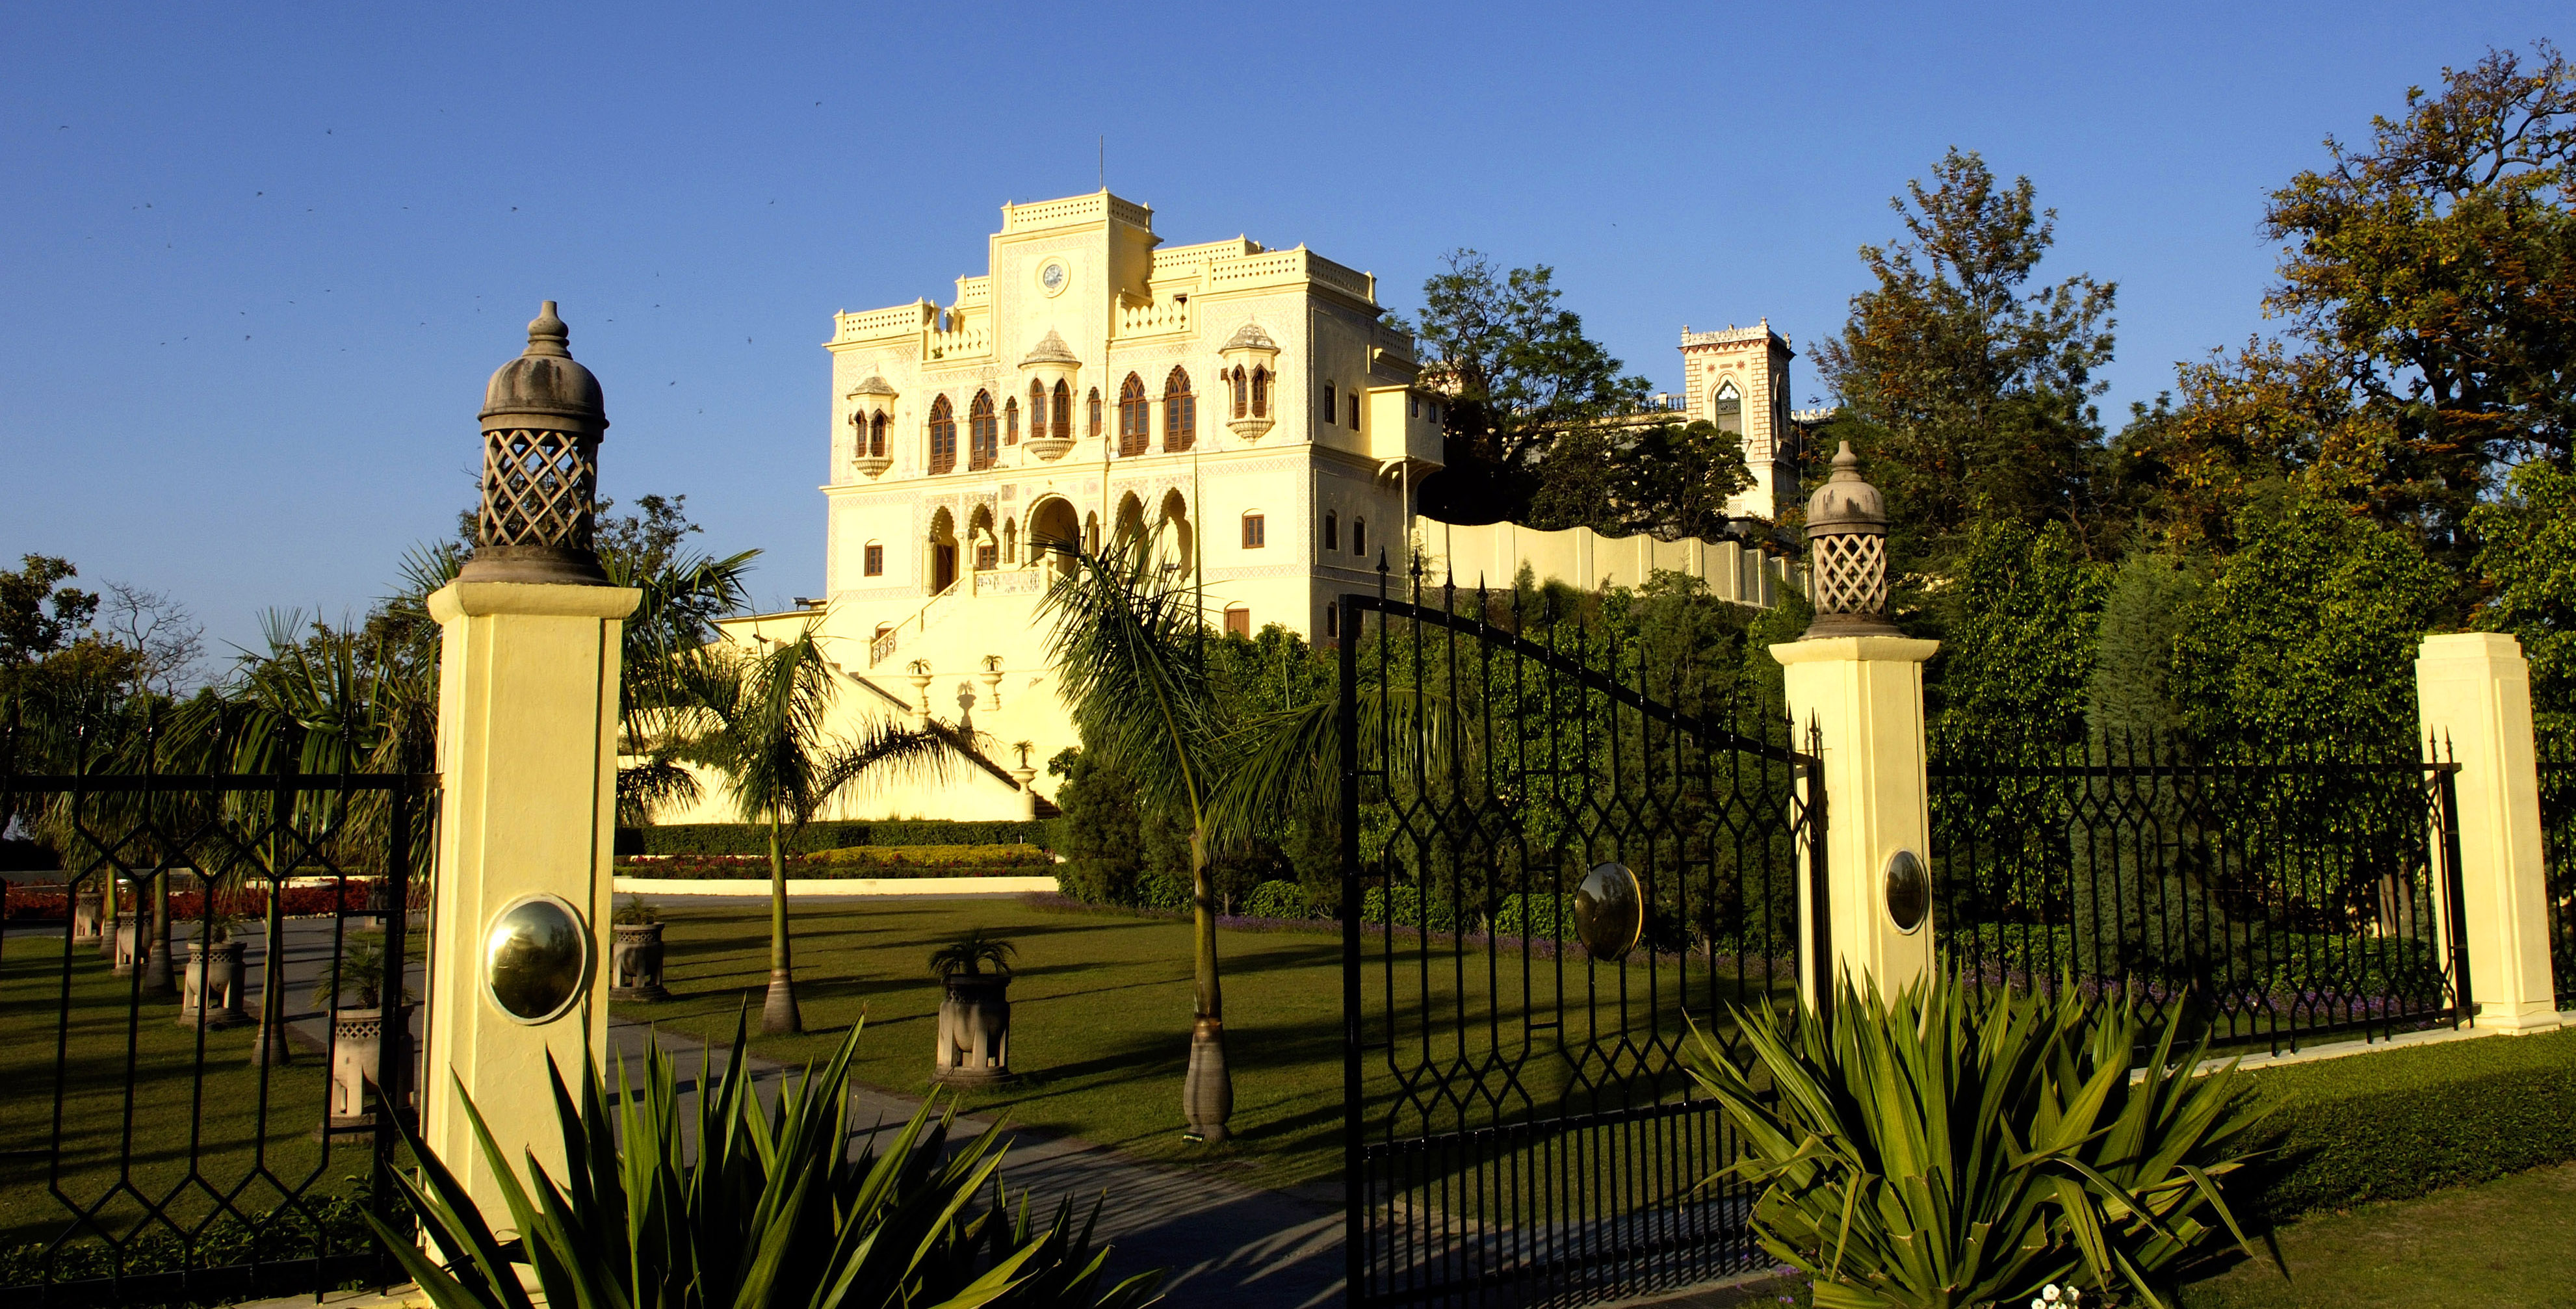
(974, 1030)
(211, 994)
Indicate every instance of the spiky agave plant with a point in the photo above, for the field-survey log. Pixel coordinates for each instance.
(1944, 1148)
(746, 1208)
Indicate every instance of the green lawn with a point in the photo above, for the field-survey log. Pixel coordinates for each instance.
(128, 1141)
(1100, 1018)
(2507, 1244)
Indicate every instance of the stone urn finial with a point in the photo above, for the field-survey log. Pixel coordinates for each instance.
(1847, 555)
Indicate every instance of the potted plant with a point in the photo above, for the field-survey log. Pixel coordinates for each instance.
(352, 988)
(635, 964)
(210, 994)
(86, 911)
(974, 1009)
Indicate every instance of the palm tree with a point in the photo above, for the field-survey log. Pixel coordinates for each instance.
(1125, 633)
(759, 719)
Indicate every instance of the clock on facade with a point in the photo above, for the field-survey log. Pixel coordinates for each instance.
(1052, 275)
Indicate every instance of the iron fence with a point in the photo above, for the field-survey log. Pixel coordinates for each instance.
(2558, 842)
(207, 1028)
(1520, 1123)
(2250, 898)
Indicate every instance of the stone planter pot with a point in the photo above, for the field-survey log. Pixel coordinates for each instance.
(635, 963)
(974, 1030)
(86, 909)
(357, 1046)
(211, 992)
(129, 932)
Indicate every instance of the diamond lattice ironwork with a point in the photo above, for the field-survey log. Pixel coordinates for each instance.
(539, 488)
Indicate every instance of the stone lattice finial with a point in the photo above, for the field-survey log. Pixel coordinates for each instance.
(542, 421)
(1847, 554)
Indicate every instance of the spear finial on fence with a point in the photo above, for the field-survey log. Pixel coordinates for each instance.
(1847, 554)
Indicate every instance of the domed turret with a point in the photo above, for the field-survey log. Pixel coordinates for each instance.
(542, 419)
(1847, 554)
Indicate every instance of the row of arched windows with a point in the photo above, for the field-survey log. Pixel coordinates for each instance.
(1051, 414)
(1251, 392)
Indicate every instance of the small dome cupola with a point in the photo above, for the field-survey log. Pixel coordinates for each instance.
(1051, 367)
(1251, 376)
(1847, 554)
(542, 419)
(871, 420)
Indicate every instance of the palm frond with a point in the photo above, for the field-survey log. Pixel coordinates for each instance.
(1123, 634)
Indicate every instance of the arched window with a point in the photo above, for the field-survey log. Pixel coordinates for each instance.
(872, 559)
(1238, 620)
(1730, 408)
(1256, 531)
(943, 437)
(877, 436)
(1332, 405)
(1332, 530)
(1063, 414)
(1180, 412)
(1037, 411)
(1133, 436)
(1355, 409)
(1359, 536)
(982, 444)
(1261, 393)
(1093, 431)
(1234, 383)
(1011, 421)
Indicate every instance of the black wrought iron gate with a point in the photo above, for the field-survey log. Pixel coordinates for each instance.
(207, 1011)
(1521, 1126)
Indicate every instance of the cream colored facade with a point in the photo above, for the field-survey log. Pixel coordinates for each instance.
(1251, 399)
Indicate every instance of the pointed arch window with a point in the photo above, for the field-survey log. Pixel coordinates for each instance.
(943, 436)
(1063, 414)
(1011, 421)
(1134, 436)
(1261, 393)
(983, 445)
(1180, 412)
(1730, 408)
(1037, 411)
(877, 436)
(1332, 530)
(1235, 384)
(1359, 536)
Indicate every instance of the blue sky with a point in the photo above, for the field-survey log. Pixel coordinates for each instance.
(260, 259)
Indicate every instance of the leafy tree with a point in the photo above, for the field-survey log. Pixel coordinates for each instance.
(1971, 393)
(2131, 688)
(1519, 374)
(2018, 646)
(760, 720)
(38, 614)
(1669, 479)
(2308, 631)
(2432, 274)
(2527, 563)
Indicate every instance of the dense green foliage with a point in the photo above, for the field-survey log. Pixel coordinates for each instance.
(746, 1207)
(2388, 1124)
(857, 861)
(752, 838)
(1950, 1147)
(2528, 562)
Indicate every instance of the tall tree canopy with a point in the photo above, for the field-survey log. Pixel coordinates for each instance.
(1970, 390)
(1519, 374)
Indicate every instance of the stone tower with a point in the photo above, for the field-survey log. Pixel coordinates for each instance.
(1738, 378)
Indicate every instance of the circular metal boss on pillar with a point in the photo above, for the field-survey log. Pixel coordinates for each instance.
(1909, 890)
(1609, 913)
(536, 959)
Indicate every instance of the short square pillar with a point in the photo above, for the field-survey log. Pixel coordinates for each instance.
(2473, 692)
(1864, 695)
(527, 746)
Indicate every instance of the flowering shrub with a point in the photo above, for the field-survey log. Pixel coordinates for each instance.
(47, 903)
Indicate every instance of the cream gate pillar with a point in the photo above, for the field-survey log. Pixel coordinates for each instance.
(1860, 684)
(527, 723)
(2473, 691)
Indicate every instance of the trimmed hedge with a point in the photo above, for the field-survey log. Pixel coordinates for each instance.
(750, 838)
(859, 861)
(2399, 1123)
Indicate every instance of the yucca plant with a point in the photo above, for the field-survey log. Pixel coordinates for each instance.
(746, 1208)
(1946, 1147)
